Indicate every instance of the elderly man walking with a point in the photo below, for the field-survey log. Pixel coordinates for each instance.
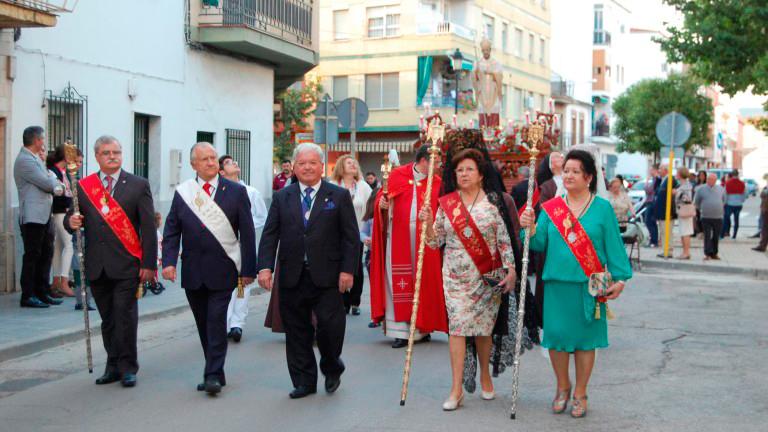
(36, 186)
(118, 214)
(314, 223)
(710, 201)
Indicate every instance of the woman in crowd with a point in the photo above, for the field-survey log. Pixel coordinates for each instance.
(579, 224)
(62, 250)
(621, 203)
(478, 266)
(347, 174)
(686, 212)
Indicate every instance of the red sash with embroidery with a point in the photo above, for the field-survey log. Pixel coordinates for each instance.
(112, 213)
(574, 235)
(534, 200)
(469, 234)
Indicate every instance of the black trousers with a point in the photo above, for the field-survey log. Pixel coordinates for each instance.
(296, 307)
(36, 263)
(209, 308)
(116, 301)
(352, 297)
(712, 229)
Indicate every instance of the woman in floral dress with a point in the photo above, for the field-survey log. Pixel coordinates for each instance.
(472, 297)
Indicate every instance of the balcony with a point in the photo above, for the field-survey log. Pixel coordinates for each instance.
(445, 27)
(601, 37)
(281, 33)
(561, 89)
(30, 13)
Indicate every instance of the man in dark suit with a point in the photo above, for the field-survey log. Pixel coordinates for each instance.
(117, 212)
(211, 217)
(314, 224)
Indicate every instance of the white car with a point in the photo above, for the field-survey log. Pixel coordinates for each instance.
(637, 192)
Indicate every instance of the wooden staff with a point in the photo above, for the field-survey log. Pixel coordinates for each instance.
(240, 288)
(435, 134)
(70, 155)
(534, 135)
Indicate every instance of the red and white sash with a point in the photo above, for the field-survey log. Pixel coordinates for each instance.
(469, 234)
(112, 213)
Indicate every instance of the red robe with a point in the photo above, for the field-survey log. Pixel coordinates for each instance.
(432, 315)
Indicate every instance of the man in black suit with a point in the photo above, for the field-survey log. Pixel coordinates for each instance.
(117, 212)
(211, 217)
(314, 224)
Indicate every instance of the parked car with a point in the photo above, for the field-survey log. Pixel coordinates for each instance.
(752, 187)
(631, 179)
(637, 192)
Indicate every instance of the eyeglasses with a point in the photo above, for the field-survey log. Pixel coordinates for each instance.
(111, 152)
(230, 162)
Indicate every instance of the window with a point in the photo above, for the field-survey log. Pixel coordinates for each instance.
(542, 51)
(505, 37)
(141, 145)
(340, 25)
(383, 22)
(382, 90)
(205, 137)
(531, 46)
(67, 118)
(518, 42)
(517, 103)
(598, 17)
(489, 29)
(239, 146)
(340, 88)
(504, 101)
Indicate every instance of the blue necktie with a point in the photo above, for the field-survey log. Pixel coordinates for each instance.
(306, 205)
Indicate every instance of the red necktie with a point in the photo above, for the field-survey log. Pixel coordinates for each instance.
(109, 184)
(207, 188)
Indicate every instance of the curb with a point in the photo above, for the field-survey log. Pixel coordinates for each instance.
(756, 273)
(73, 335)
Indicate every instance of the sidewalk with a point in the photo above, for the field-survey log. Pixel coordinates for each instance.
(736, 257)
(24, 331)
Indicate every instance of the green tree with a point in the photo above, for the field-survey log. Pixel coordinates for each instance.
(644, 103)
(297, 107)
(725, 42)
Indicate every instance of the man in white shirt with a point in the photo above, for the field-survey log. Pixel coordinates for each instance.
(238, 307)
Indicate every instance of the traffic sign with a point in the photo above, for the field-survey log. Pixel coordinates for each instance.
(326, 122)
(673, 129)
(679, 152)
(352, 108)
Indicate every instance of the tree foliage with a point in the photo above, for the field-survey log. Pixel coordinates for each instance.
(297, 107)
(644, 103)
(725, 42)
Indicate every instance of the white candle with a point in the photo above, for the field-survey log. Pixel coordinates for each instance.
(527, 118)
(551, 106)
(455, 121)
(471, 123)
(421, 122)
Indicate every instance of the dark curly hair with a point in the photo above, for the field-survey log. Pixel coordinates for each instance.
(470, 153)
(587, 165)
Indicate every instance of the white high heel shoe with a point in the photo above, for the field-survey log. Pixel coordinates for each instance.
(484, 395)
(453, 404)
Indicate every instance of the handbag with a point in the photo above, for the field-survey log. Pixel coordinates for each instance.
(686, 211)
(598, 288)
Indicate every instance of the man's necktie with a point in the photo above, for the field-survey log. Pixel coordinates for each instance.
(109, 184)
(207, 188)
(306, 205)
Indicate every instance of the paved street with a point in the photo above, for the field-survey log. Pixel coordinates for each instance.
(686, 354)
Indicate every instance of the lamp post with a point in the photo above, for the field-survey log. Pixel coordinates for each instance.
(457, 62)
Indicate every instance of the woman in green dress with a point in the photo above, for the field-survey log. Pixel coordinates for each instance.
(571, 322)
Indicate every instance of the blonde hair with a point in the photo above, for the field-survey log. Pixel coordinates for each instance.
(338, 169)
(683, 172)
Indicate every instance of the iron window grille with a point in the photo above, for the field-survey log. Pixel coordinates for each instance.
(239, 147)
(67, 118)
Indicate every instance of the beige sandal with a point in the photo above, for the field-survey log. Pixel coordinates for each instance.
(560, 403)
(579, 409)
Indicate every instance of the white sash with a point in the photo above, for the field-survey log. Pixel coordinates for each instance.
(206, 209)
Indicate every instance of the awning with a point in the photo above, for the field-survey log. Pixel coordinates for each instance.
(367, 146)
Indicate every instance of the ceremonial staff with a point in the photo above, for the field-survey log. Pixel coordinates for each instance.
(70, 154)
(435, 135)
(532, 136)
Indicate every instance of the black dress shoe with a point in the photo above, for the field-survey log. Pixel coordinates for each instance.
(355, 310)
(129, 380)
(400, 343)
(212, 386)
(79, 307)
(201, 386)
(758, 249)
(33, 302)
(50, 300)
(332, 383)
(426, 338)
(236, 333)
(108, 378)
(302, 391)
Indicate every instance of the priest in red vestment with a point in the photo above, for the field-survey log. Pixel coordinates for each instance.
(394, 245)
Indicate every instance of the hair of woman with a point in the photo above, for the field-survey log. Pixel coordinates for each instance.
(338, 170)
(587, 165)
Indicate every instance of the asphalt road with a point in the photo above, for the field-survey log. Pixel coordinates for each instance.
(687, 352)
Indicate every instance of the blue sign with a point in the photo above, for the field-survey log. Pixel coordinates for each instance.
(673, 129)
(719, 141)
(346, 109)
(326, 122)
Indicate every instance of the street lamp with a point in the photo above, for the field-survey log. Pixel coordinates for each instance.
(457, 66)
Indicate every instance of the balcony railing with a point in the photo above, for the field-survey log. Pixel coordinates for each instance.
(601, 37)
(290, 20)
(561, 88)
(50, 6)
(445, 27)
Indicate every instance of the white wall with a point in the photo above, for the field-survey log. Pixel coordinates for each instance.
(571, 45)
(100, 48)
